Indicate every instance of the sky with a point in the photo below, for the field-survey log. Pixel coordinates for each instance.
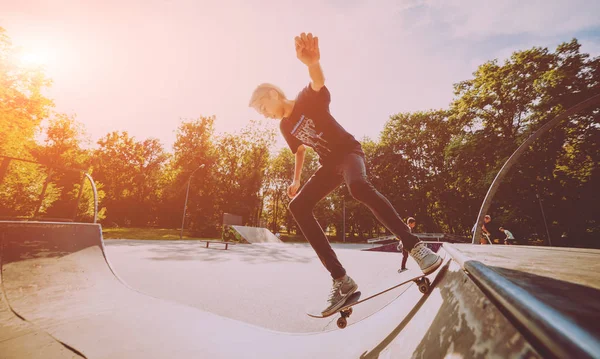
(144, 66)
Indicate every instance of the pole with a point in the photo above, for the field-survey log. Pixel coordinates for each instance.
(44, 187)
(187, 192)
(544, 216)
(344, 219)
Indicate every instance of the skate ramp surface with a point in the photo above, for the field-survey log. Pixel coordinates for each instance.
(57, 280)
(21, 339)
(256, 234)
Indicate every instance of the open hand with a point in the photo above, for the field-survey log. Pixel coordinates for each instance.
(307, 49)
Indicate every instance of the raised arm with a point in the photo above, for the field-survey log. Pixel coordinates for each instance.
(307, 51)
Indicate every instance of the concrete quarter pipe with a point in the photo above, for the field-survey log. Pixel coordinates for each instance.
(60, 295)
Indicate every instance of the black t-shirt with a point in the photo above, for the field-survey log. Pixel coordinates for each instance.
(493, 229)
(311, 124)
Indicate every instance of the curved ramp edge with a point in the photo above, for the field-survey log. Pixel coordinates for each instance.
(21, 339)
(57, 277)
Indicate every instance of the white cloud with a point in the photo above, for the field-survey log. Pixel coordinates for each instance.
(479, 19)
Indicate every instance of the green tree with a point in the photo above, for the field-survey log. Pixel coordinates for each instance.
(499, 109)
(62, 152)
(278, 178)
(194, 147)
(130, 172)
(242, 161)
(410, 167)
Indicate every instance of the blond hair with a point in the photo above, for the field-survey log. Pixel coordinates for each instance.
(262, 90)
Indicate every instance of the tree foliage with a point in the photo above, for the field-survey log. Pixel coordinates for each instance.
(22, 104)
(434, 165)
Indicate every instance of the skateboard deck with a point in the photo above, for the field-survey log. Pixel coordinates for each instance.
(346, 310)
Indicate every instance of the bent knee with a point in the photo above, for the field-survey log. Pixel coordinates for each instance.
(360, 189)
(297, 205)
(293, 205)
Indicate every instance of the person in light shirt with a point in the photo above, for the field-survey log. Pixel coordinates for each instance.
(509, 236)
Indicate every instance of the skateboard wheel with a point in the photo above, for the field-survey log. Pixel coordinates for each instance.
(348, 312)
(424, 285)
(342, 322)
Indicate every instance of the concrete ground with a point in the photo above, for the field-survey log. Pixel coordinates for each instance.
(270, 286)
(56, 288)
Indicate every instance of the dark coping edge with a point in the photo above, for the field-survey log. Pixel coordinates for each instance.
(558, 335)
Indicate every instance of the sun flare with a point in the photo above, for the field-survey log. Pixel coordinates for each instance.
(37, 57)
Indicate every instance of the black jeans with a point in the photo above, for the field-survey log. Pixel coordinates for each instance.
(404, 258)
(352, 171)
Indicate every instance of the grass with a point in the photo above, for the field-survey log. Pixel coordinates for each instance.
(147, 233)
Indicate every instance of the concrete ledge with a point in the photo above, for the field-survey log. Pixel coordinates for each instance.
(557, 335)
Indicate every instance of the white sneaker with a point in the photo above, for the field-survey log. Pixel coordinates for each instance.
(427, 260)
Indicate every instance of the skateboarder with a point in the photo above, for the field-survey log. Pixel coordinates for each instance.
(411, 222)
(307, 121)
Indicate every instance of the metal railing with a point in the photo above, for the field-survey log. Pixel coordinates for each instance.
(558, 334)
(487, 201)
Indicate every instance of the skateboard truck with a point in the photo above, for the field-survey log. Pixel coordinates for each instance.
(342, 322)
(423, 283)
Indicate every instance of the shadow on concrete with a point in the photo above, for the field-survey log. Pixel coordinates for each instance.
(376, 351)
(196, 251)
(465, 325)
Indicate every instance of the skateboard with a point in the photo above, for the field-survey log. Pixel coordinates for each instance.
(423, 283)
(345, 310)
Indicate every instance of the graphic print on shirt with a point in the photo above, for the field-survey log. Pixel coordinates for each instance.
(306, 132)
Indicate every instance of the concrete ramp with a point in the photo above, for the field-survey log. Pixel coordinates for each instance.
(256, 234)
(21, 339)
(60, 292)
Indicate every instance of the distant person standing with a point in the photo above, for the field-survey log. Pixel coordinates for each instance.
(508, 235)
(411, 222)
(487, 229)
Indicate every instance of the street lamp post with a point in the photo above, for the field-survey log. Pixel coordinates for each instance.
(344, 219)
(186, 199)
(544, 217)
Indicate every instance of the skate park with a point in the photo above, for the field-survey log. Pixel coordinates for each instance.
(67, 292)
(161, 198)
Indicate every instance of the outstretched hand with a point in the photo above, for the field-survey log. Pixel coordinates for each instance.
(307, 49)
